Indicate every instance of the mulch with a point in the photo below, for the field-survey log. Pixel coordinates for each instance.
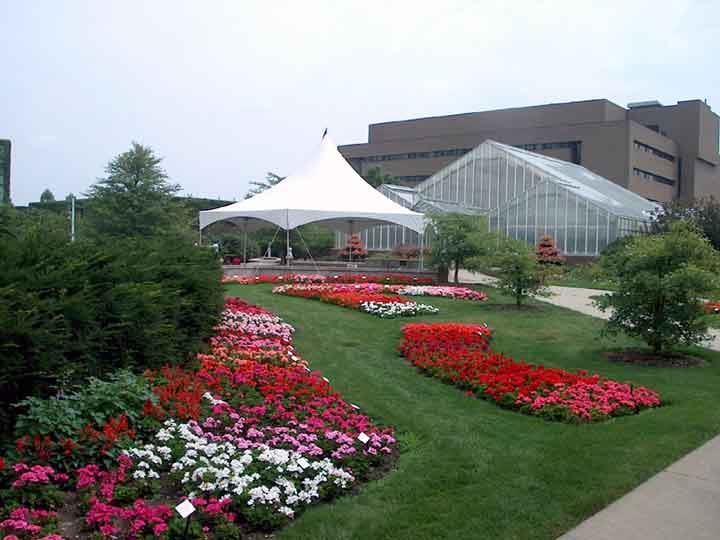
(640, 357)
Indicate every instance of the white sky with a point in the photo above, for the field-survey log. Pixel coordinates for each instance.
(227, 90)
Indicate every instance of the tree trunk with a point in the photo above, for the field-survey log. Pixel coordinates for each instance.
(443, 272)
(457, 270)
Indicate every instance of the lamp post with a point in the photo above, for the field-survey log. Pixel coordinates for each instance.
(72, 217)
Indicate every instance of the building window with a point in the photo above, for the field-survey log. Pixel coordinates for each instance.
(420, 155)
(642, 147)
(548, 146)
(646, 175)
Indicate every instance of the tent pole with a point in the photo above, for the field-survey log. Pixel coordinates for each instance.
(287, 238)
(199, 237)
(245, 241)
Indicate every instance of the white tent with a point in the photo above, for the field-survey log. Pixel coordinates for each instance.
(327, 191)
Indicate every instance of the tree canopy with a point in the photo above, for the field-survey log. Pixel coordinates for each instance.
(271, 179)
(47, 196)
(376, 178)
(662, 281)
(456, 238)
(135, 198)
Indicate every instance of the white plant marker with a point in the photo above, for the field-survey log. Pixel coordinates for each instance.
(326, 379)
(355, 407)
(185, 508)
(363, 438)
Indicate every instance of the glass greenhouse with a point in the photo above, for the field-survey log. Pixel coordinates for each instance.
(525, 196)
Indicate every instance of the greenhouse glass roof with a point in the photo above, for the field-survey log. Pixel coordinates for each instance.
(586, 184)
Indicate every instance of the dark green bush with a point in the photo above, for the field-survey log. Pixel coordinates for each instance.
(71, 311)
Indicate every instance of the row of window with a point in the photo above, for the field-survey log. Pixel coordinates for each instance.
(547, 146)
(652, 176)
(413, 178)
(420, 155)
(642, 147)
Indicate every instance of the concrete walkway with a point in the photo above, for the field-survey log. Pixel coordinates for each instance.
(576, 299)
(681, 502)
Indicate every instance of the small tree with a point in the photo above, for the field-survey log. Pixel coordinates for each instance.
(547, 251)
(47, 196)
(457, 238)
(705, 213)
(135, 199)
(355, 247)
(662, 280)
(376, 178)
(519, 272)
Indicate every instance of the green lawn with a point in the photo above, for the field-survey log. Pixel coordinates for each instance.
(468, 468)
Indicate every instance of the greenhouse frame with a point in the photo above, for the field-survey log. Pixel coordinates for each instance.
(525, 196)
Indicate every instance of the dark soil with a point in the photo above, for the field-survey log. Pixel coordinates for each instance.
(641, 357)
(70, 521)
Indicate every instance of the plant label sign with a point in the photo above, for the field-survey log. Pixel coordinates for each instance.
(363, 438)
(185, 508)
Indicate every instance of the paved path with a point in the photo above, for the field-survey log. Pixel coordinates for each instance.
(681, 502)
(578, 300)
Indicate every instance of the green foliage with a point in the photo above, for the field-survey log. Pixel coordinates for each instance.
(271, 179)
(443, 431)
(318, 239)
(123, 392)
(135, 199)
(661, 282)
(456, 238)
(704, 213)
(376, 178)
(69, 311)
(518, 270)
(47, 196)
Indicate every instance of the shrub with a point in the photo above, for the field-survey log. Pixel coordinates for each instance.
(69, 311)
(547, 251)
(518, 270)
(661, 282)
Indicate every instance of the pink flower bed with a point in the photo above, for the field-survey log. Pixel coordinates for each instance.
(337, 278)
(252, 437)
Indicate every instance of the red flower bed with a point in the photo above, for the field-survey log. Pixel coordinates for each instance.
(398, 279)
(461, 354)
(252, 405)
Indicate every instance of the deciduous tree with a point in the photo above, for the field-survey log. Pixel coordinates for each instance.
(661, 283)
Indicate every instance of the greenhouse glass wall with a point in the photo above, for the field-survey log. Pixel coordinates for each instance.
(525, 196)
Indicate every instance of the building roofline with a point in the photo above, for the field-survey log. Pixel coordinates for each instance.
(456, 115)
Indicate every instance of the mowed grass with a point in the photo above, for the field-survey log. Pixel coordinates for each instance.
(469, 469)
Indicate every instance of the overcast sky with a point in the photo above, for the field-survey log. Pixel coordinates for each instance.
(227, 90)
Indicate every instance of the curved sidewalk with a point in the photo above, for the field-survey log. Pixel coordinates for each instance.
(682, 502)
(577, 299)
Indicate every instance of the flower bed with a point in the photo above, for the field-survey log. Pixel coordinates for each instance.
(252, 437)
(401, 279)
(375, 299)
(461, 355)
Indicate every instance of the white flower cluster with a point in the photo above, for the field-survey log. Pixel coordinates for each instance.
(147, 457)
(226, 471)
(389, 310)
